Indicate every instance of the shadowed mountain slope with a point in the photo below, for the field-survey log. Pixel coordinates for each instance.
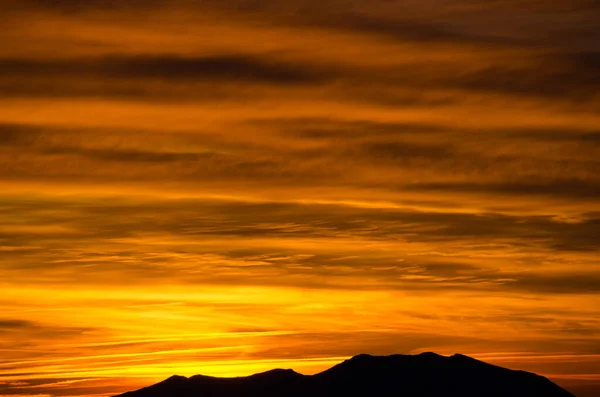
(423, 375)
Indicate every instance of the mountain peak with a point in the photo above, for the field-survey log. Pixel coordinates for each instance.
(369, 360)
(431, 354)
(175, 379)
(278, 372)
(364, 356)
(360, 358)
(462, 357)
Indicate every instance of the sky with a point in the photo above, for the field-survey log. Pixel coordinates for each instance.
(225, 187)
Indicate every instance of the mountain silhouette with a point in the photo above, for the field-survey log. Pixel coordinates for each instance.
(423, 375)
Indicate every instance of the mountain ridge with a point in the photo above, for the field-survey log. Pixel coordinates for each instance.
(423, 375)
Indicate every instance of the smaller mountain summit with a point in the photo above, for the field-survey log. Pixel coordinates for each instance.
(176, 378)
(423, 375)
(278, 373)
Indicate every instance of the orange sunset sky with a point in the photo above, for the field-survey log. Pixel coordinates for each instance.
(224, 187)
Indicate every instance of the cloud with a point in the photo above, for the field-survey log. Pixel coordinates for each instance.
(569, 188)
(403, 150)
(406, 29)
(154, 77)
(588, 283)
(14, 324)
(18, 134)
(168, 68)
(128, 155)
(307, 246)
(32, 332)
